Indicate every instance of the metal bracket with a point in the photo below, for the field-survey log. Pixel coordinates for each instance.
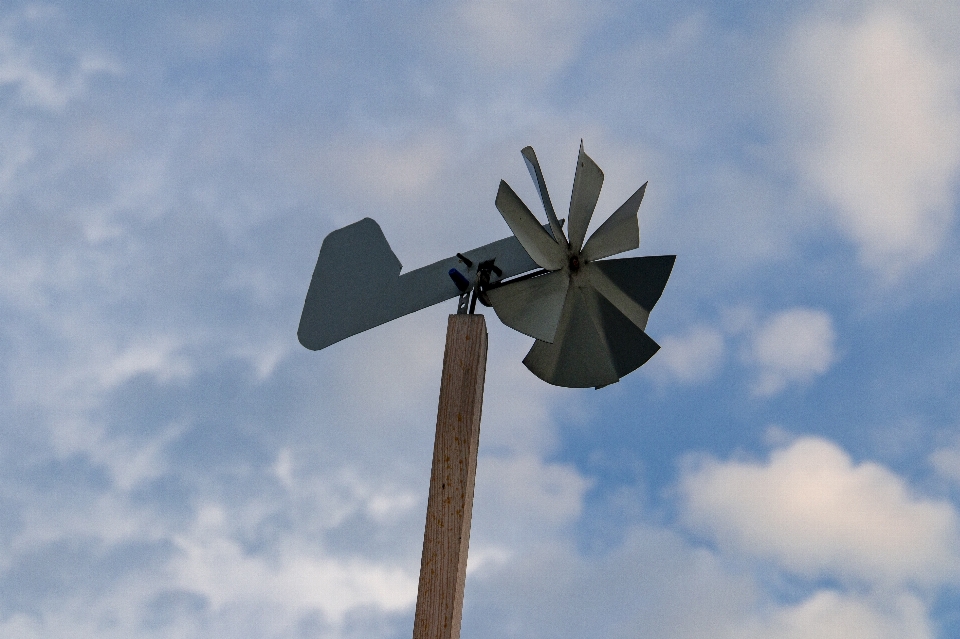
(471, 291)
(463, 303)
(484, 269)
(464, 284)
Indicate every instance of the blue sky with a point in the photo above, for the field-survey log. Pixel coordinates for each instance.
(174, 464)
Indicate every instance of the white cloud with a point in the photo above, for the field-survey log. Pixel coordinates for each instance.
(158, 358)
(946, 461)
(264, 357)
(206, 564)
(521, 503)
(656, 584)
(795, 345)
(517, 407)
(691, 357)
(383, 170)
(643, 588)
(832, 615)
(36, 82)
(878, 132)
(213, 563)
(791, 346)
(534, 36)
(526, 487)
(811, 509)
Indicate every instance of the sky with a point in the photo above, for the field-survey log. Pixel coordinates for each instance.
(174, 464)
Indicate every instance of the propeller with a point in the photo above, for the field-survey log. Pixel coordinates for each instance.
(587, 314)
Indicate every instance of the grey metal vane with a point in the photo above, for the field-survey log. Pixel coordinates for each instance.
(587, 313)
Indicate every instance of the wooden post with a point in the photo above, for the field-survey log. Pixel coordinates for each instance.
(446, 536)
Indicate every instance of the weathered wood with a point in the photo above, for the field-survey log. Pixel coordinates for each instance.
(446, 536)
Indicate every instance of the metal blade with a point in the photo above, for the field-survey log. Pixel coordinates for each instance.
(629, 346)
(620, 232)
(595, 344)
(538, 243)
(532, 306)
(530, 157)
(615, 295)
(357, 284)
(642, 279)
(578, 356)
(586, 190)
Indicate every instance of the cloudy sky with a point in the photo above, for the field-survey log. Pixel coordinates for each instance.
(174, 464)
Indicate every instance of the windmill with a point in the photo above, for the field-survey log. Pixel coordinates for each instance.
(586, 313)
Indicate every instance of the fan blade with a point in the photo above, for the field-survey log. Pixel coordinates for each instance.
(595, 344)
(628, 344)
(578, 356)
(537, 242)
(615, 295)
(586, 191)
(621, 231)
(532, 306)
(642, 279)
(530, 157)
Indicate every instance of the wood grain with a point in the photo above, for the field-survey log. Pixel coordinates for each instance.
(446, 535)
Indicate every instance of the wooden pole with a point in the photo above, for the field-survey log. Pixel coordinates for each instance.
(446, 536)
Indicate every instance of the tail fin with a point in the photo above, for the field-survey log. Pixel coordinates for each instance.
(354, 287)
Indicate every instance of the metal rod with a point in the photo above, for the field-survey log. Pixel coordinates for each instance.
(519, 278)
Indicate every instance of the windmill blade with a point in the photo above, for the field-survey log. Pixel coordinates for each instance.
(642, 279)
(579, 356)
(619, 233)
(532, 306)
(357, 285)
(615, 295)
(586, 191)
(538, 243)
(530, 157)
(629, 346)
(595, 344)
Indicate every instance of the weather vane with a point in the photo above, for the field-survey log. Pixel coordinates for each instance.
(586, 313)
